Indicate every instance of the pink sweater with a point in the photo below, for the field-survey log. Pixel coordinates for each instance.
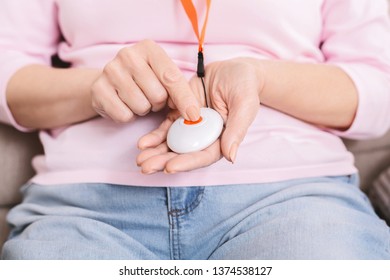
(353, 34)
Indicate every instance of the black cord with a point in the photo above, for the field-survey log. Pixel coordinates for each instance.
(200, 72)
(204, 91)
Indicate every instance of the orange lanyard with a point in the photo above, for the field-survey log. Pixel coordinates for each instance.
(192, 15)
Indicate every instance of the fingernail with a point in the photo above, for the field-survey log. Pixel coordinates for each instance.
(193, 113)
(142, 146)
(148, 172)
(169, 172)
(233, 152)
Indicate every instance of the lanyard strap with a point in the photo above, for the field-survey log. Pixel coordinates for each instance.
(192, 15)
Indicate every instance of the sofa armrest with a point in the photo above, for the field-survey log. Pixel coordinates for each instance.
(16, 152)
(4, 229)
(371, 157)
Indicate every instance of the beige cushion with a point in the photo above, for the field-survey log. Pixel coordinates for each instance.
(371, 157)
(4, 229)
(379, 194)
(16, 152)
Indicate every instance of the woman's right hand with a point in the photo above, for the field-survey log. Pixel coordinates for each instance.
(140, 79)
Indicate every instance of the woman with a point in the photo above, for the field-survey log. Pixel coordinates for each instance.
(288, 78)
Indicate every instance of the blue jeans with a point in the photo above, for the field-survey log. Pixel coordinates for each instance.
(317, 218)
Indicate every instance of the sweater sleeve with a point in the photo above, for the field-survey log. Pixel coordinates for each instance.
(356, 38)
(29, 34)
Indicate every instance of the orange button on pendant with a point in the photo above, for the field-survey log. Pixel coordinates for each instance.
(193, 122)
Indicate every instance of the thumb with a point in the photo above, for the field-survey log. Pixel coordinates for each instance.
(241, 114)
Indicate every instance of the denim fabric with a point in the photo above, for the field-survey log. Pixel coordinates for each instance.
(316, 218)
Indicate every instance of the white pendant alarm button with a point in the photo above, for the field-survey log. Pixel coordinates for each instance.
(190, 136)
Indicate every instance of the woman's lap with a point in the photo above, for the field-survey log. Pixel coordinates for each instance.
(318, 218)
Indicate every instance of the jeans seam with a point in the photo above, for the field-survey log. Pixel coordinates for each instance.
(175, 238)
(174, 217)
(189, 208)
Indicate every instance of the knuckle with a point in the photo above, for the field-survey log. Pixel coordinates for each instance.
(110, 68)
(142, 110)
(124, 52)
(128, 56)
(123, 117)
(159, 99)
(171, 75)
(148, 43)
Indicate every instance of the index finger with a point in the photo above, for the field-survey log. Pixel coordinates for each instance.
(174, 81)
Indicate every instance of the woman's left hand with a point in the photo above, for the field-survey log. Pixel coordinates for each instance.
(233, 88)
